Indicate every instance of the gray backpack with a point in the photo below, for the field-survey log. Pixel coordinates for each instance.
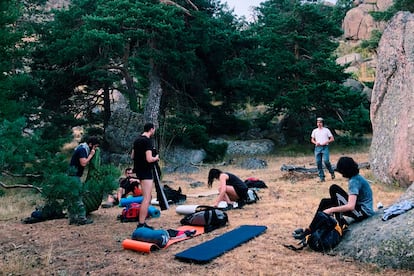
(209, 217)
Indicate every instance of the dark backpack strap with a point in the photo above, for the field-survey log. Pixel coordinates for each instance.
(204, 207)
(292, 247)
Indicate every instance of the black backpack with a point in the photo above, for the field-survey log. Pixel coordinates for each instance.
(326, 235)
(253, 182)
(175, 196)
(209, 217)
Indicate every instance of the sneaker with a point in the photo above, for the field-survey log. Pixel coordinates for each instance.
(235, 205)
(333, 176)
(222, 205)
(300, 233)
(144, 225)
(321, 180)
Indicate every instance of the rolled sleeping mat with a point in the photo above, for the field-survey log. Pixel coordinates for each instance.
(186, 209)
(128, 200)
(140, 246)
(153, 212)
(160, 237)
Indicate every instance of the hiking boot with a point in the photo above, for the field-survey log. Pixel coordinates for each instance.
(333, 176)
(80, 221)
(107, 205)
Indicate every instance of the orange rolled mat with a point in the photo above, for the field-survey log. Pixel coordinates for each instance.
(140, 246)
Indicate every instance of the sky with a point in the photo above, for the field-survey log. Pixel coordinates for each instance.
(242, 7)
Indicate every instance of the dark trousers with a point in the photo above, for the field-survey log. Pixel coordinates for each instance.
(340, 197)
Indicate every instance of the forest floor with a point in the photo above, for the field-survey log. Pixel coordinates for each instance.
(56, 248)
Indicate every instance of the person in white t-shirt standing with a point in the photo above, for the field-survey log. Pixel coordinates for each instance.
(321, 137)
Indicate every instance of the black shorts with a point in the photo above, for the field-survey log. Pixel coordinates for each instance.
(142, 175)
(241, 192)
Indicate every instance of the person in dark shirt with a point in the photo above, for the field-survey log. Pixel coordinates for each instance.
(231, 189)
(128, 186)
(143, 168)
(82, 155)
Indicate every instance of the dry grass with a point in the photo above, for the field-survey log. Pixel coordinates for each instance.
(56, 248)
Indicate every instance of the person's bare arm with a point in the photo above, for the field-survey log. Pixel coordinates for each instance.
(222, 188)
(84, 161)
(150, 158)
(121, 191)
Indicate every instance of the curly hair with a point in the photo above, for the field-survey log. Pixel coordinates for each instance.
(347, 167)
(213, 174)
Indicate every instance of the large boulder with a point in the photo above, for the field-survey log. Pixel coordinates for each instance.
(392, 104)
(389, 244)
(358, 24)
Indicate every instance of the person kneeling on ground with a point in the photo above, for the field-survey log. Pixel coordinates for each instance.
(231, 189)
(128, 186)
(358, 204)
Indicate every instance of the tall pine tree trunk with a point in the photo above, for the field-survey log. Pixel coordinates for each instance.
(152, 107)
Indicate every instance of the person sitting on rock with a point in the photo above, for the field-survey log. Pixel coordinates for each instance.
(356, 204)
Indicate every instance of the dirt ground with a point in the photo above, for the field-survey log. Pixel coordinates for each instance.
(56, 248)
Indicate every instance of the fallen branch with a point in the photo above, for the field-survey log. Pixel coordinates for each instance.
(303, 169)
(20, 175)
(25, 186)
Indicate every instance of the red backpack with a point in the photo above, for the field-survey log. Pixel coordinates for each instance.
(131, 212)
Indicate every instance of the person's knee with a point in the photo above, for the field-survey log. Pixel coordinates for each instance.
(334, 188)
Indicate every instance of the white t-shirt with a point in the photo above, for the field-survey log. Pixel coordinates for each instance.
(321, 135)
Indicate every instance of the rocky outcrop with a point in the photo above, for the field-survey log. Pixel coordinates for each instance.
(358, 23)
(247, 147)
(123, 128)
(392, 104)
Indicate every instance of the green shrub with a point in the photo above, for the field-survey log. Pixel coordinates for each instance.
(215, 152)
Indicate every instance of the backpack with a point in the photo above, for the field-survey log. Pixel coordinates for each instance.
(326, 235)
(175, 196)
(253, 182)
(209, 217)
(130, 212)
(252, 196)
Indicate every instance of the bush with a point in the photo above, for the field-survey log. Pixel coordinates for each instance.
(215, 152)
